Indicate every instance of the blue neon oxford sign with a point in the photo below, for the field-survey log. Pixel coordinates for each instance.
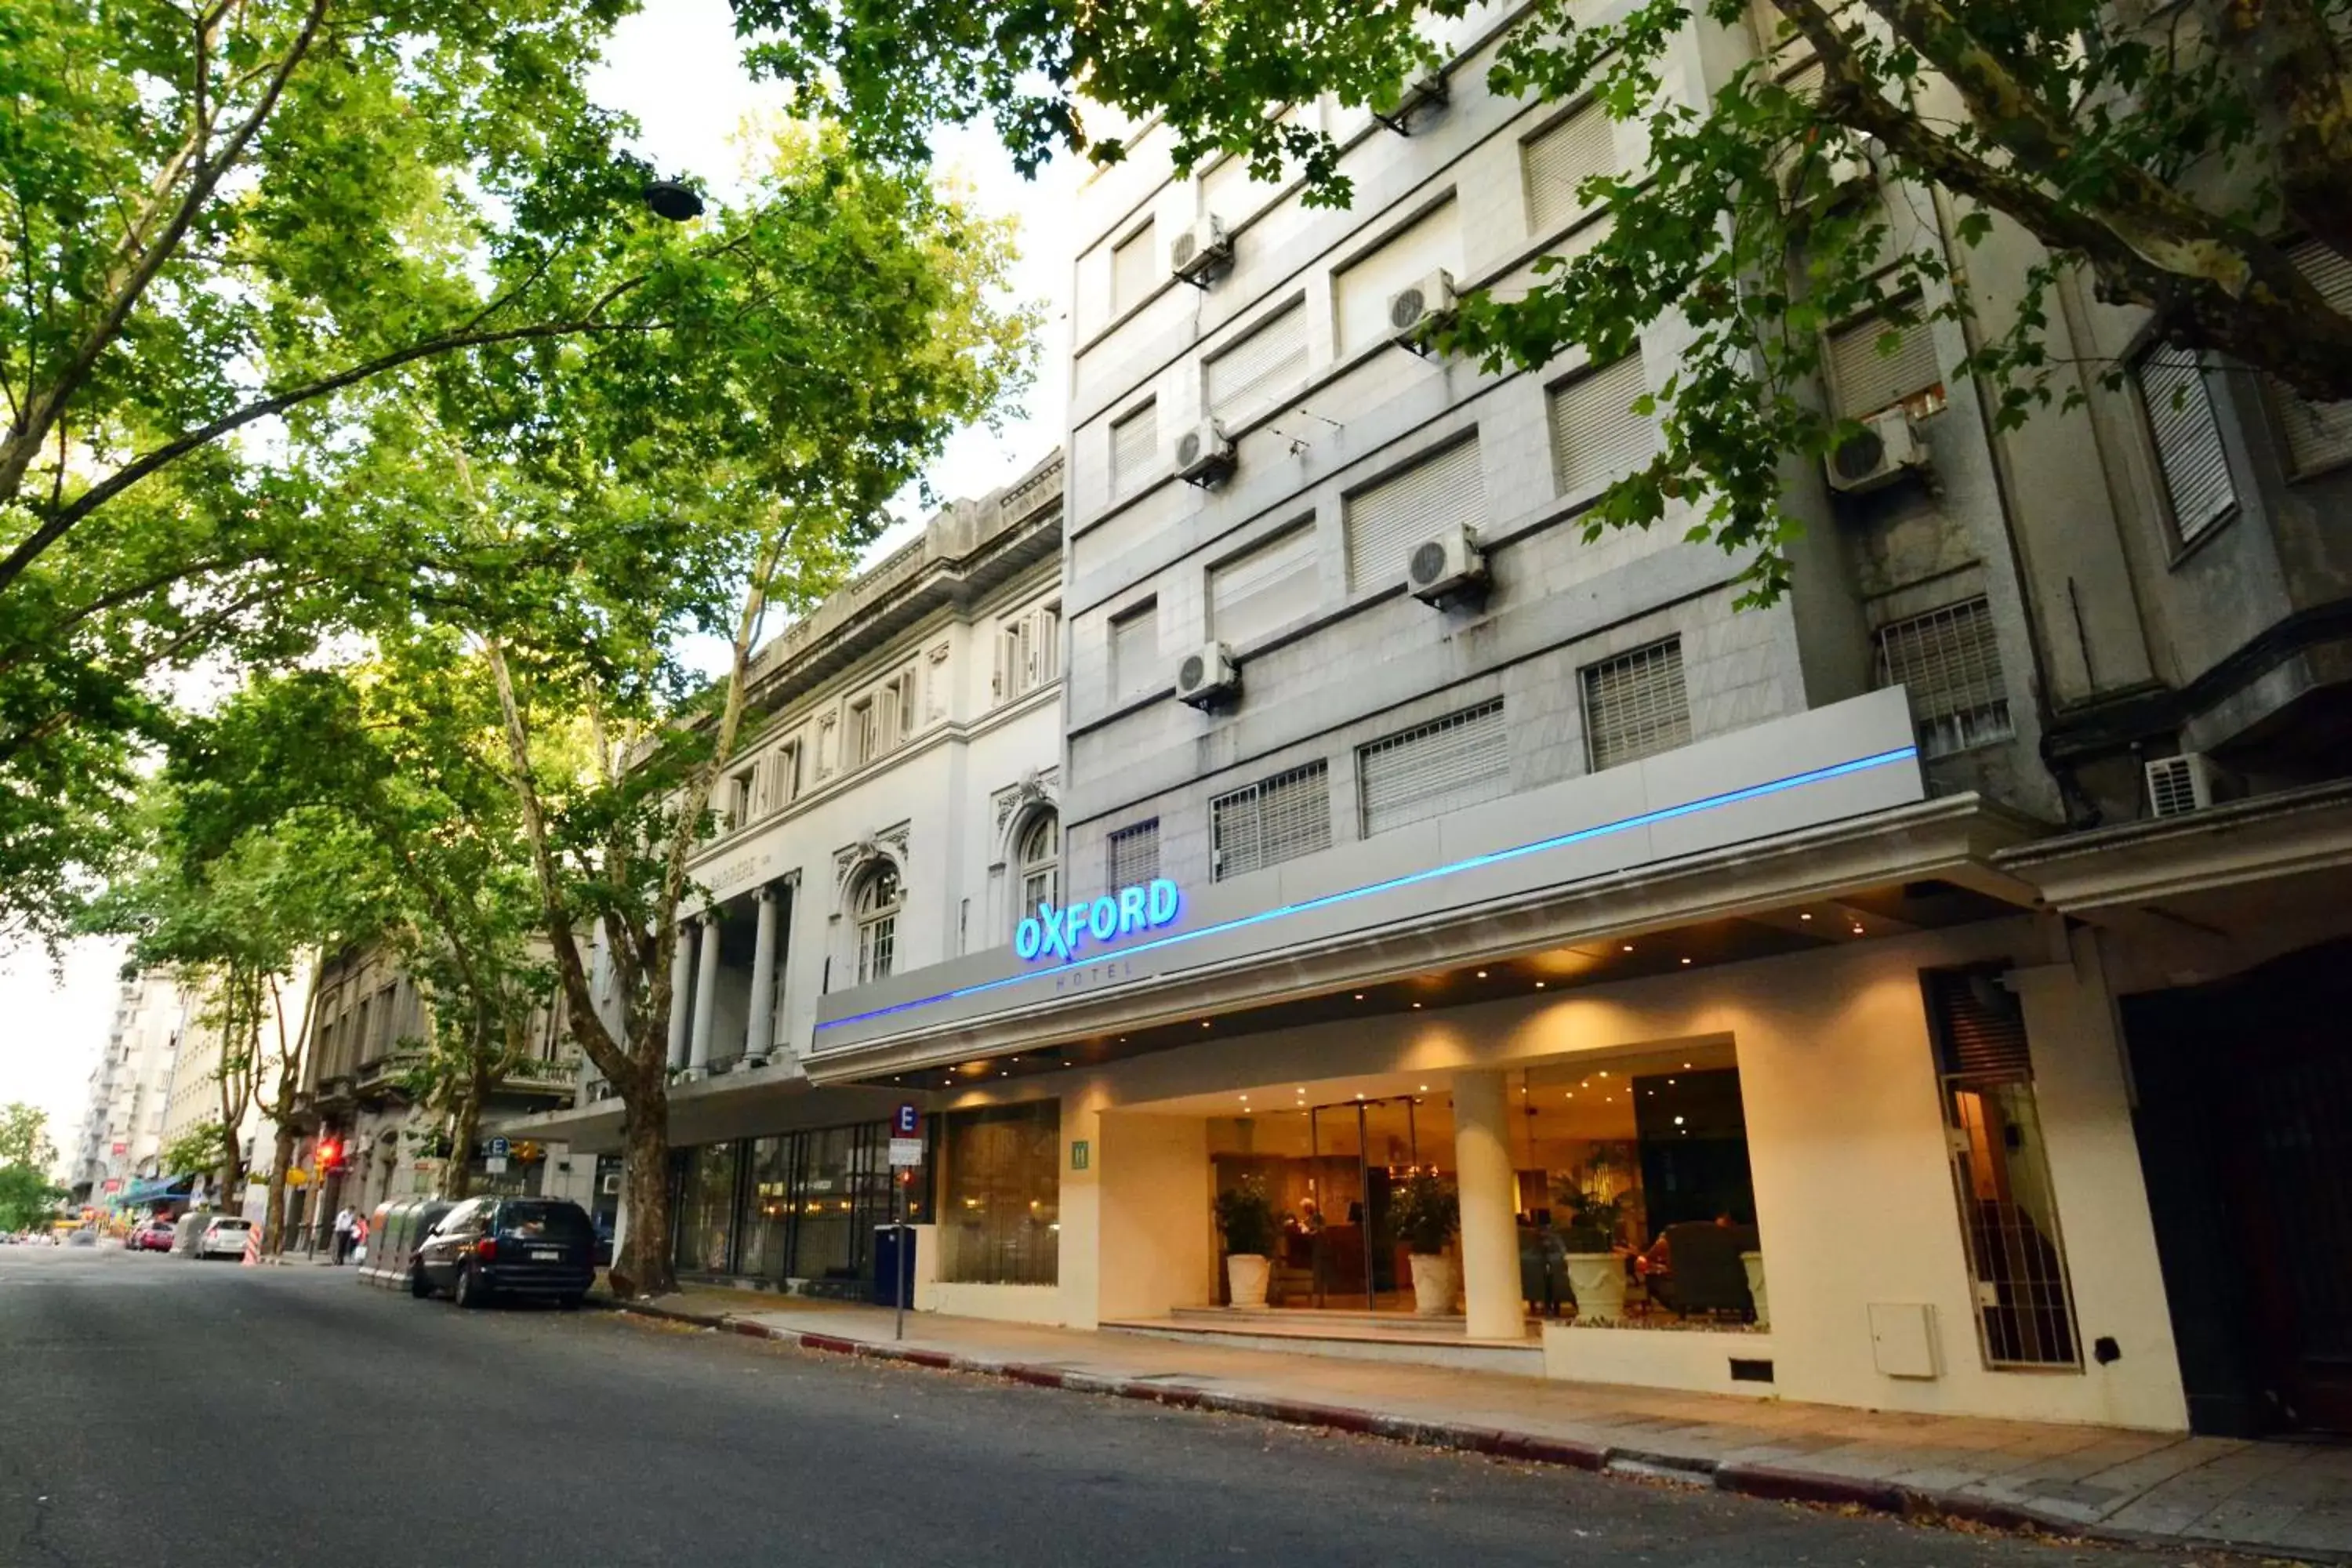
(1057, 934)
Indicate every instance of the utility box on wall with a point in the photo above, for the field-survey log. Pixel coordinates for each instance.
(1903, 1339)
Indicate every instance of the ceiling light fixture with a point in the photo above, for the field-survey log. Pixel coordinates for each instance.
(1685, 961)
(1538, 984)
(1482, 975)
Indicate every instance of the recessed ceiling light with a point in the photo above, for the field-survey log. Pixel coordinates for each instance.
(1678, 1122)
(1204, 1023)
(1604, 1072)
(1538, 984)
(1857, 929)
(1628, 947)
(1482, 975)
(1360, 996)
(1806, 916)
(1685, 1066)
(1416, 1005)
(1685, 961)
(1424, 1088)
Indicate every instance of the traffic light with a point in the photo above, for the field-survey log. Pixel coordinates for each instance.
(330, 1154)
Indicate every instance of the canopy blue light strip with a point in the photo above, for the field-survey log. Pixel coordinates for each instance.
(1240, 922)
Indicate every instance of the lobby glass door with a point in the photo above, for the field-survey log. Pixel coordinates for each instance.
(1361, 1151)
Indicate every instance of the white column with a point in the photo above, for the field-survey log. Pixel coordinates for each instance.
(681, 976)
(705, 995)
(758, 1039)
(1490, 1229)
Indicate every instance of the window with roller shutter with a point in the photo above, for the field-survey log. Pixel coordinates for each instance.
(1562, 158)
(1260, 370)
(1135, 652)
(1635, 705)
(1387, 520)
(2318, 434)
(2188, 439)
(1267, 588)
(1279, 819)
(1134, 854)
(1433, 768)
(1134, 447)
(1135, 269)
(1868, 377)
(1595, 435)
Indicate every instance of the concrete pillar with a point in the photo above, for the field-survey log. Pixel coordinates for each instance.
(681, 977)
(760, 1037)
(1490, 1229)
(705, 995)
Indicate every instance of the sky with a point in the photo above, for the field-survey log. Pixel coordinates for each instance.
(673, 67)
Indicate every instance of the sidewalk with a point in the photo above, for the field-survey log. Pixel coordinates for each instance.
(2145, 1487)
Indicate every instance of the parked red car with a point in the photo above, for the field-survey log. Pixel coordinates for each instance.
(154, 1235)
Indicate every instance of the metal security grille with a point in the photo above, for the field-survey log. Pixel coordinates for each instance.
(1635, 705)
(1385, 522)
(1867, 382)
(1262, 368)
(1949, 663)
(1560, 158)
(2000, 1172)
(2187, 440)
(1595, 434)
(1441, 766)
(1135, 268)
(1268, 823)
(2318, 434)
(1135, 652)
(1134, 447)
(1135, 854)
(1270, 587)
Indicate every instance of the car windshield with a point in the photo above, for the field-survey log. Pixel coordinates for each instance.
(231, 1224)
(547, 1221)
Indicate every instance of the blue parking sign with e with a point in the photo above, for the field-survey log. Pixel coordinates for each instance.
(498, 1148)
(906, 1122)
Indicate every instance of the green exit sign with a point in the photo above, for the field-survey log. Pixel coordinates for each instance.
(1081, 1152)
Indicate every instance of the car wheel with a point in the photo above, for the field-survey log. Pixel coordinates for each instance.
(419, 1287)
(469, 1291)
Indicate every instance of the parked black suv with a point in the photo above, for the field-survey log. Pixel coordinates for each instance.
(544, 1247)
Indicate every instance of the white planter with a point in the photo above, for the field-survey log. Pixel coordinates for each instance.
(1599, 1280)
(1246, 1274)
(1435, 1283)
(1754, 1262)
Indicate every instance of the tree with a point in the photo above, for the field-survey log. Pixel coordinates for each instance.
(28, 1196)
(2170, 153)
(222, 227)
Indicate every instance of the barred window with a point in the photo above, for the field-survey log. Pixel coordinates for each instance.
(1270, 586)
(1135, 269)
(1561, 159)
(2188, 439)
(1387, 520)
(1135, 854)
(1433, 768)
(1268, 823)
(1868, 375)
(1261, 368)
(2001, 1171)
(1949, 664)
(1595, 434)
(2318, 434)
(1134, 447)
(1635, 705)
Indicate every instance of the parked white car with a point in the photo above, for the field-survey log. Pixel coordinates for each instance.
(224, 1236)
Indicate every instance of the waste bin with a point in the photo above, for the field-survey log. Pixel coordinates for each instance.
(894, 1266)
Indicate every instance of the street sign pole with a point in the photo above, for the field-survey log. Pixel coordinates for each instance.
(898, 1259)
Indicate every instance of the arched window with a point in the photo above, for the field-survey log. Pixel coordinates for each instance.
(1039, 855)
(877, 922)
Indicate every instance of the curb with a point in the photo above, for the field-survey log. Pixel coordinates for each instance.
(1765, 1482)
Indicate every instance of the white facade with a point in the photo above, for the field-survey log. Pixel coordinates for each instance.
(123, 1129)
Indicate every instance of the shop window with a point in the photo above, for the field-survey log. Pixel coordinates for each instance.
(1875, 364)
(2318, 434)
(705, 1210)
(1000, 1195)
(1040, 856)
(878, 922)
(1261, 369)
(1135, 854)
(1268, 823)
(1386, 521)
(1134, 447)
(1948, 662)
(2187, 440)
(2001, 1171)
(1264, 589)
(1595, 434)
(767, 1208)
(1635, 705)
(1435, 768)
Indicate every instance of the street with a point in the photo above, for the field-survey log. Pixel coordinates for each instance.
(159, 1411)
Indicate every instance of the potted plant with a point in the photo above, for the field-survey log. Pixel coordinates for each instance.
(1246, 1218)
(1424, 1213)
(1595, 1273)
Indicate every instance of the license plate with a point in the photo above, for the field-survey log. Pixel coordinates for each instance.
(545, 1254)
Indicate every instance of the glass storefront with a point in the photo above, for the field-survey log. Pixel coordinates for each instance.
(793, 1206)
(1001, 1197)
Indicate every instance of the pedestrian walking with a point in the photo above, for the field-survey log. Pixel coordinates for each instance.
(359, 1237)
(343, 1218)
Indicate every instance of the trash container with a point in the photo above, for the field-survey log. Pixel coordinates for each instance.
(894, 1266)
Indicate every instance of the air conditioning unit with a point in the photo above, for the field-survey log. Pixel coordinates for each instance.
(1425, 306)
(1884, 451)
(1203, 455)
(1445, 568)
(1196, 255)
(2177, 785)
(1204, 676)
(610, 1184)
(1422, 92)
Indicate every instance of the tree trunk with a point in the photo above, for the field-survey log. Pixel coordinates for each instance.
(232, 1175)
(273, 1218)
(458, 1176)
(643, 1269)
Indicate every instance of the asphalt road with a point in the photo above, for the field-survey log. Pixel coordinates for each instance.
(163, 1412)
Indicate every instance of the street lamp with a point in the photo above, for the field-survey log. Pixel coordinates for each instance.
(674, 200)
